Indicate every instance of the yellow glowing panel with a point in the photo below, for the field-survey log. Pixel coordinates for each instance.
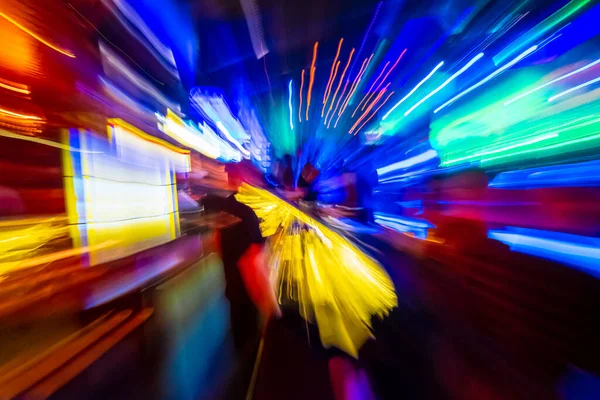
(121, 192)
(335, 285)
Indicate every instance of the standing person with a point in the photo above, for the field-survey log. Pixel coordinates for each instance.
(247, 285)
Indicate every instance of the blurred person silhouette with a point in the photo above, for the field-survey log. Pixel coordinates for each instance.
(248, 289)
(307, 182)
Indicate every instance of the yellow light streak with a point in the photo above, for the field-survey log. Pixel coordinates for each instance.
(335, 285)
(36, 36)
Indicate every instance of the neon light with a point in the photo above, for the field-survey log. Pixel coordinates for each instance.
(312, 77)
(416, 223)
(540, 29)
(330, 81)
(122, 67)
(410, 162)
(388, 73)
(339, 83)
(368, 110)
(139, 23)
(414, 89)
(443, 85)
(355, 83)
(370, 92)
(337, 66)
(554, 146)
(20, 116)
(290, 88)
(189, 136)
(355, 87)
(38, 38)
(237, 144)
(500, 150)
(579, 251)
(133, 31)
(561, 94)
(489, 77)
(23, 89)
(560, 78)
(374, 113)
(338, 102)
(255, 28)
(300, 106)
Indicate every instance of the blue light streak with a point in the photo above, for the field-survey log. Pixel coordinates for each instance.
(488, 78)
(290, 90)
(443, 85)
(560, 78)
(414, 89)
(561, 94)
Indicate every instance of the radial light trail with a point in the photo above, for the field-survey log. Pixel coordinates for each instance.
(414, 89)
(353, 88)
(19, 116)
(410, 162)
(35, 36)
(357, 82)
(300, 106)
(339, 102)
(505, 148)
(370, 107)
(337, 66)
(366, 99)
(340, 83)
(560, 78)
(489, 77)
(541, 29)
(388, 73)
(443, 85)
(23, 89)
(290, 89)
(561, 94)
(329, 82)
(374, 113)
(312, 77)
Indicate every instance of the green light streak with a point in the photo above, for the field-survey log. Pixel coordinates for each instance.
(540, 30)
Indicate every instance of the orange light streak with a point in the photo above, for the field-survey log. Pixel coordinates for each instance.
(340, 83)
(300, 106)
(386, 75)
(370, 107)
(15, 87)
(329, 82)
(337, 66)
(353, 88)
(37, 37)
(375, 113)
(17, 115)
(364, 100)
(312, 77)
(338, 102)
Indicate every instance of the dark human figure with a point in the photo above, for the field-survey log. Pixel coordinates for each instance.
(236, 240)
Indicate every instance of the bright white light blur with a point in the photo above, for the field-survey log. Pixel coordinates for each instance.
(421, 158)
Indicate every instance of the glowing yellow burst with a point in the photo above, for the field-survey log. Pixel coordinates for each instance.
(334, 284)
